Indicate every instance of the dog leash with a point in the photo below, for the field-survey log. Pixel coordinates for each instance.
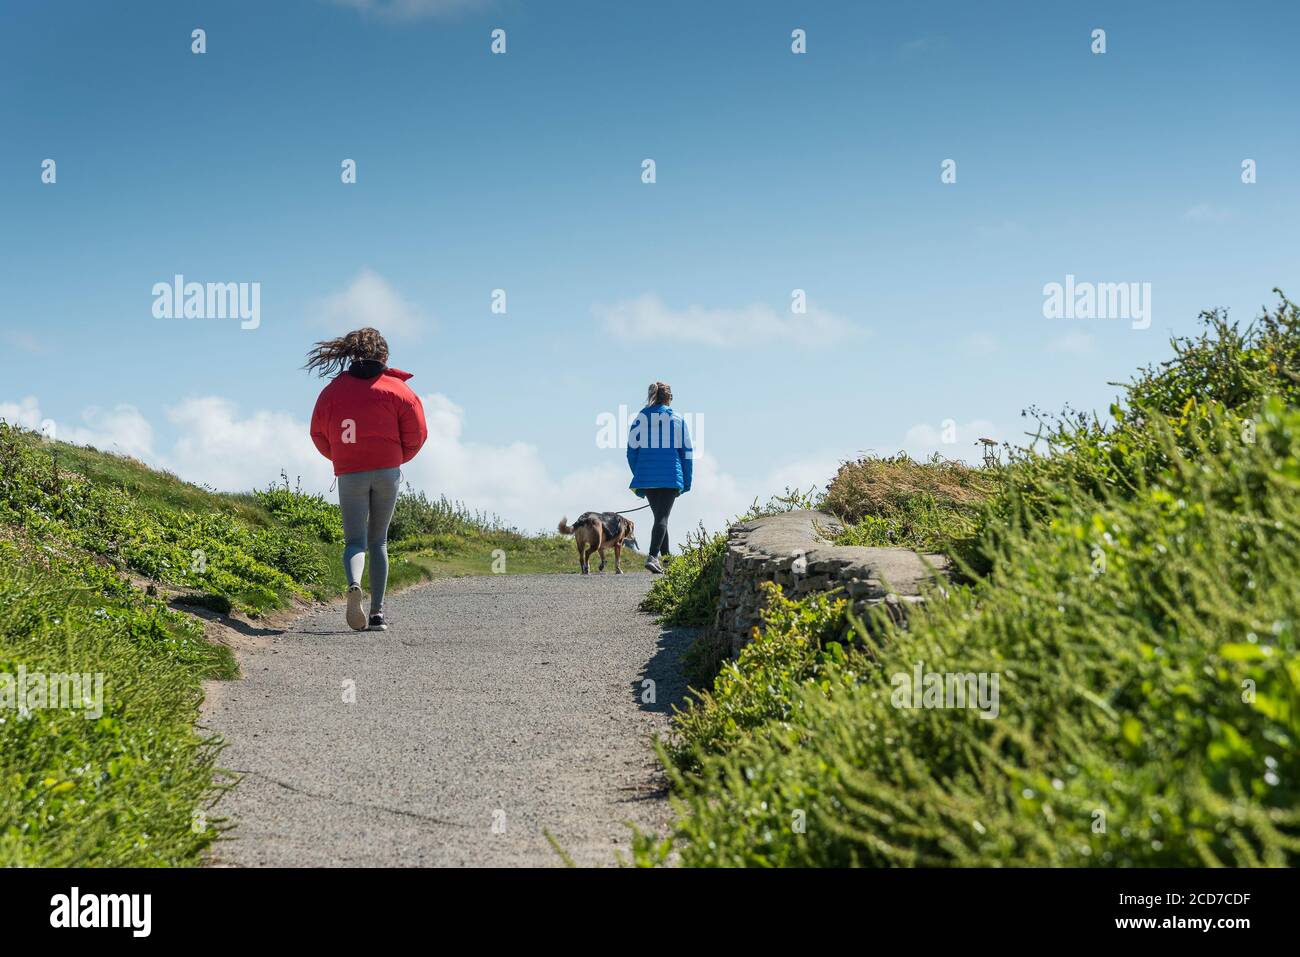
(630, 510)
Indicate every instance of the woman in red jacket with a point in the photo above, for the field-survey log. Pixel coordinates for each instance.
(369, 423)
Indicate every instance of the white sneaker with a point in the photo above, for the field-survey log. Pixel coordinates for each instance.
(356, 615)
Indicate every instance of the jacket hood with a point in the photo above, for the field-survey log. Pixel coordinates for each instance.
(365, 368)
(372, 368)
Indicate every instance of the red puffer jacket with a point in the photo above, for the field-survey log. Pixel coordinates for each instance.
(368, 418)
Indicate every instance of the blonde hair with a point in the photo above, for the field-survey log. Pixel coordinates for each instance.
(659, 393)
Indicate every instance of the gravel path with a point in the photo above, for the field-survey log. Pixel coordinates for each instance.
(492, 708)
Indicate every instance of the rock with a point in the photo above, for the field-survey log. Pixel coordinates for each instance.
(793, 551)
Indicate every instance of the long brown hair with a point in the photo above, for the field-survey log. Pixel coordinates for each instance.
(331, 356)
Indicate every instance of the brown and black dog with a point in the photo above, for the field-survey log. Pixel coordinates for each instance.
(596, 531)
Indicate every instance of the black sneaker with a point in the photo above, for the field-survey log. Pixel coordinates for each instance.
(377, 623)
(652, 566)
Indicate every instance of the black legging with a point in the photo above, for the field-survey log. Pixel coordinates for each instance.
(661, 503)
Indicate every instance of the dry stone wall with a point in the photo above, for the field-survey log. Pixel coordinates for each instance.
(793, 550)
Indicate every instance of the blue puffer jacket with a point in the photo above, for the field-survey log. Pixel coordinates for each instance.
(659, 450)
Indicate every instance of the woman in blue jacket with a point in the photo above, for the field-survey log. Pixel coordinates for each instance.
(659, 455)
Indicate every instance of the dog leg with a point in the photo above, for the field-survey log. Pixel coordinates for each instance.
(602, 560)
(618, 557)
(582, 562)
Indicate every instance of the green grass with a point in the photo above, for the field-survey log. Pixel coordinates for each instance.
(896, 500)
(128, 787)
(156, 487)
(497, 551)
(686, 595)
(92, 548)
(1135, 588)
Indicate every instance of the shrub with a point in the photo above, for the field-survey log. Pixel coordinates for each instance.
(1135, 591)
(801, 644)
(1224, 364)
(298, 510)
(897, 500)
(258, 568)
(687, 593)
(1077, 454)
(416, 514)
(1154, 691)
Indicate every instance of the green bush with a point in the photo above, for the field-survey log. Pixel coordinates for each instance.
(1146, 648)
(1225, 364)
(213, 551)
(801, 645)
(1135, 593)
(1077, 454)
(686, 595)
(687, 592)
(416, 514)
(896, 500)
(298, 510)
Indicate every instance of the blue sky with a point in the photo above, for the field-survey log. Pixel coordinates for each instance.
(522, 171)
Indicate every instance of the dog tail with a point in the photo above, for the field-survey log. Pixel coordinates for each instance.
(564, 526)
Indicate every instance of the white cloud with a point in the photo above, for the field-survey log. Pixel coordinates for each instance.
(647, 318)
(513, 481)
(369, 300)
(121, 429)
(717, 496)
(926, 439)
(218, 446)
(25, 413)
(215, 446)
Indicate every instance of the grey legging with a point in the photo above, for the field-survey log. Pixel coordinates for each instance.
(367, 500)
